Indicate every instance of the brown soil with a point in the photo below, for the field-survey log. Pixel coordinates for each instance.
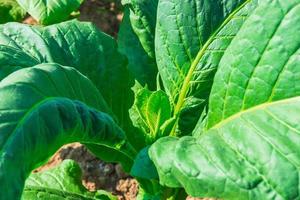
(105, 14)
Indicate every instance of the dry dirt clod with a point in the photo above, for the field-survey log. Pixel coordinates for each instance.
(128, 187)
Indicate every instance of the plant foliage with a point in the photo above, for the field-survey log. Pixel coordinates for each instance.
(247, 146)
(200, 95)
(10, 11)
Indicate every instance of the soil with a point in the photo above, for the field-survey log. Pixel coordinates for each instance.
(105, 14)
(98, 174)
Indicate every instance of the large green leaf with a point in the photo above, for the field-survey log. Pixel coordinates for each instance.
(73, 43)
(12, 59)
(61, 182)
(140, 64)
(191, 37)
(260, 67)
(250, 150)
(143, 21)
(183, 27)
(41, 110)
(10, 11)
(82, 46)
(50, 11)
(251, 155)
(143, 167)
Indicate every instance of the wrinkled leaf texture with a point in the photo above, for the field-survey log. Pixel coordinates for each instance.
(83, 47)
(47, 105)
(136, 40)
(250, 146)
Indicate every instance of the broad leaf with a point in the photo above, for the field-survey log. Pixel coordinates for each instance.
(143, 167)
(197, 84)
(143, 21)
(140, 64)
(71, 43)
(266, 70)
(250, 147)
(61, 182)
(182, 30)
(251, 155)
(41, 110)
(162, 154)
(77, 44)
(12, 59)
(191, 38)
(50, 11)
(82, 46)
(10, 11)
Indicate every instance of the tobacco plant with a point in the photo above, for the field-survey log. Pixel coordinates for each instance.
(196, 97)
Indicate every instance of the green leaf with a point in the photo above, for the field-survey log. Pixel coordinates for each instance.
(82, 46)
(250, 147)
(266, 70)
(41, 110)
(162, 154)
(269, 74)
(143, 21)
(191, 38)
(251, 155)
(61, 182)
(149, 112)
(71, 43)
(140, 64)
(143, 195)
(182, 30)
(10, 11)
(136, 40)
(50, 11)
(143, 167)
(12, 59)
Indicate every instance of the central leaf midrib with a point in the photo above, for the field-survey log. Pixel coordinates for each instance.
(252, 109)
(186, 83)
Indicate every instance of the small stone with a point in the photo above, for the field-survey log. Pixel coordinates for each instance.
(108, 169)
